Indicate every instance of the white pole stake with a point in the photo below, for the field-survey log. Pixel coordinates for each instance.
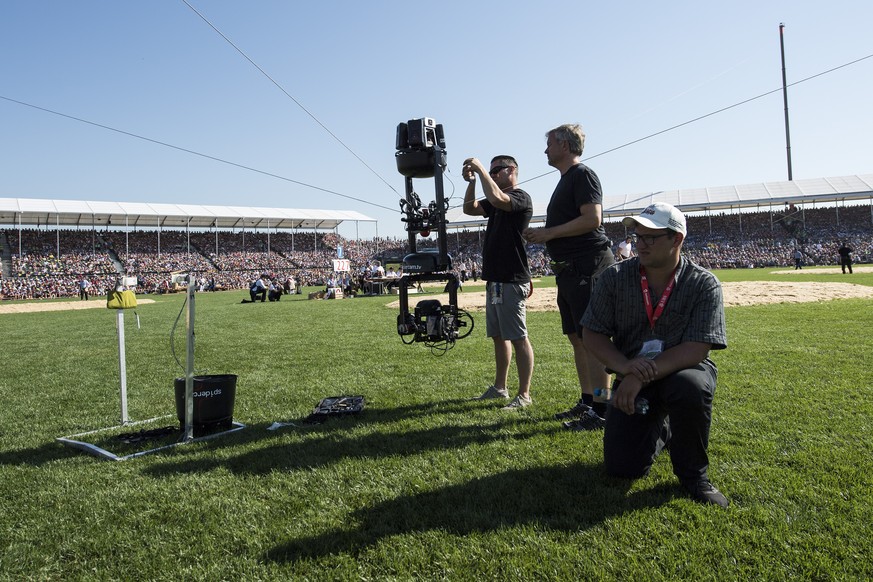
(122, 363)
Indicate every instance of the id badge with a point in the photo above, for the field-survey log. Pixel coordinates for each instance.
(496, 293)
(652, 349)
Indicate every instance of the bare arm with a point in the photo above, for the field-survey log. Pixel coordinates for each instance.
(471, 205)
(590, 217)
(497, 197)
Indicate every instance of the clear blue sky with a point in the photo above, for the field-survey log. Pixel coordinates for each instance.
(497, 75)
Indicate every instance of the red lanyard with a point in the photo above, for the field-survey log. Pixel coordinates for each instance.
(647, 299)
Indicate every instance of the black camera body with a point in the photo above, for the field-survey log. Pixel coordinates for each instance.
(421, 153)
(420, 145)
(432, 321)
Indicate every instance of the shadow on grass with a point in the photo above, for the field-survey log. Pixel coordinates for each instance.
(568, 498)
(372, 413)
(330, 442)
(430, 408)
(38, 456)
(328, 448)
(52, 451)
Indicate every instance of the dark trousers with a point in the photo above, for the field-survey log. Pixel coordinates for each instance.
(846, 262)
(680, 417)
(255, 294)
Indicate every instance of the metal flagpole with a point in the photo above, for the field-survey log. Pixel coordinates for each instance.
(785, 99)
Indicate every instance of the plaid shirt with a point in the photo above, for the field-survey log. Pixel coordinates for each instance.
(693, 313)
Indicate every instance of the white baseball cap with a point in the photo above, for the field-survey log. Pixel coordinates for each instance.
(659, 215)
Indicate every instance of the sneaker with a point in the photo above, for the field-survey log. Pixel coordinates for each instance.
(518, 402)
(578, 410)
(703, 491)
(493, 392)
(589, 421)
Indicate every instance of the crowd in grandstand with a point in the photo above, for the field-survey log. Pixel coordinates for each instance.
(50, 262)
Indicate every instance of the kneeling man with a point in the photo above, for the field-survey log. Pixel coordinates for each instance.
(652, 320)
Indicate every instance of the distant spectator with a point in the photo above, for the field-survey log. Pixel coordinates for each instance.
(275, 292)
(798, 259)
(258, 289)
(845, 253)
(625, 249)
(84, 284)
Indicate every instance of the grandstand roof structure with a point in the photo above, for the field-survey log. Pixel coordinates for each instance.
(719, 198)
(39, 212)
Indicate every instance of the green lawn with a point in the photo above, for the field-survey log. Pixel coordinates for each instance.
(425, 484)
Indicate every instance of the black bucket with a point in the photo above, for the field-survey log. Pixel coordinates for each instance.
(213, 402)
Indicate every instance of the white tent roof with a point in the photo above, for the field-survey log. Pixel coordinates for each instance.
(32, 211)
(816, 190)
(840, 188)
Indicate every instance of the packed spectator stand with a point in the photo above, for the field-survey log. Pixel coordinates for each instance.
(51, 262)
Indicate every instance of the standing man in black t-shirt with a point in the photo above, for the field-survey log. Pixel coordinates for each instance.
(580, 251)
(505, 270)
(845, 252)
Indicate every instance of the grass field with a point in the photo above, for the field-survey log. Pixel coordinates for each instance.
(425, 484)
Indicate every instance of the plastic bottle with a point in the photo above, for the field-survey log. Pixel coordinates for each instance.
(641, 405)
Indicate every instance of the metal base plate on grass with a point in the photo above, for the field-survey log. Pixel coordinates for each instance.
(96, 450)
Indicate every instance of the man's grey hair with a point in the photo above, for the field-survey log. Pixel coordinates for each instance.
(572, 134)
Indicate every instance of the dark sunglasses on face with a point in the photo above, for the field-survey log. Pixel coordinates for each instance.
(497, 169)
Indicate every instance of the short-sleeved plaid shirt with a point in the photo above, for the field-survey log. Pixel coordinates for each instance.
(693, 313)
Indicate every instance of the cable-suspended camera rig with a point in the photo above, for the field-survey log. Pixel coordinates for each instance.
(421, 153)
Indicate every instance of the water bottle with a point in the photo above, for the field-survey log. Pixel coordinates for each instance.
(641, 405)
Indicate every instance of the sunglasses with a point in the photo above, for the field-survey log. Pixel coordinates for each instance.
(497, 169)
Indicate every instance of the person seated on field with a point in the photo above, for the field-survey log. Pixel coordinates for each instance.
(347, 284)
(330, 291)
(395, 279)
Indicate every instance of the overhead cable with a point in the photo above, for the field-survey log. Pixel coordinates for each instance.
(187, 151)
(368, 202)
(282, 89)
(722, 110)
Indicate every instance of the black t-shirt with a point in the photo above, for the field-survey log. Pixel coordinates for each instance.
(577, 187)
(504, 258)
